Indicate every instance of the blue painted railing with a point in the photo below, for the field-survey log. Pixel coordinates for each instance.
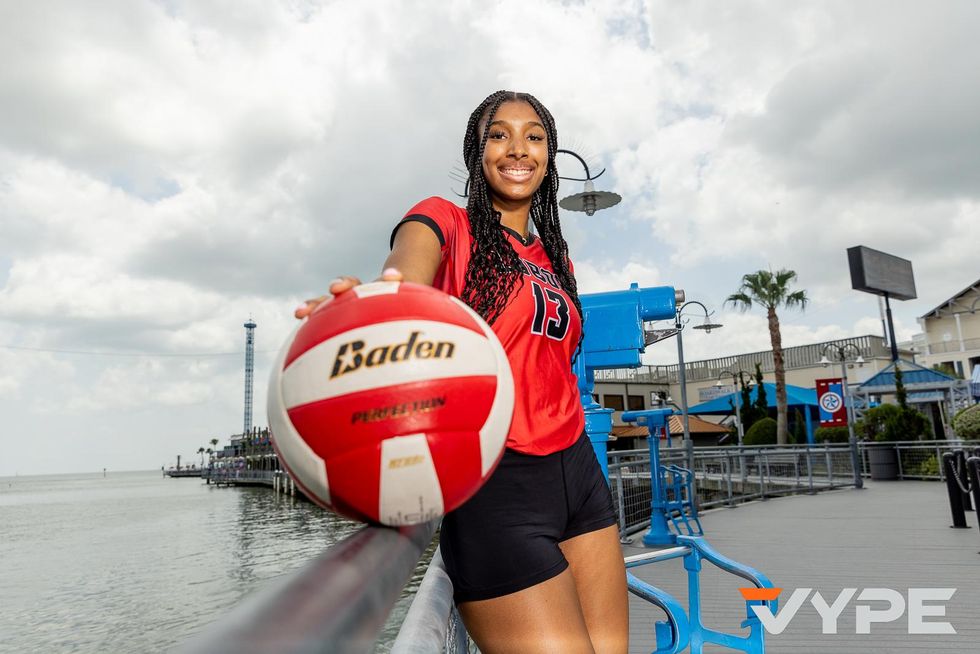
(686, 629)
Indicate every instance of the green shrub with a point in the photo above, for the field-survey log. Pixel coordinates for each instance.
(831, 435)
(890, 422)
(927, 468)
(966, 423)
(872, 424)
(762, 432)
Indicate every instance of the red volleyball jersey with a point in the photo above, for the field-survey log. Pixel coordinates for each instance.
(539, 329)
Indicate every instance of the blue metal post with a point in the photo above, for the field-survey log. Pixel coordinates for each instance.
(655, 420)
(598, 425)
(598, 421)
(614, 338)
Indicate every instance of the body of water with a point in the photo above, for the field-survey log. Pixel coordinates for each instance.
(134, 562)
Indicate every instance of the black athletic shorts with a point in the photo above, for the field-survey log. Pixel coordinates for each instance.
(505, 538)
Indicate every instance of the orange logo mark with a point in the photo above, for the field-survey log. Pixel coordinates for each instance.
(761, 594)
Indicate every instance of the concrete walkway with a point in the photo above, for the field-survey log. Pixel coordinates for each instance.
(889, 535)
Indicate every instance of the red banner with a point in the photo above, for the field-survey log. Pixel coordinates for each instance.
(830, 397)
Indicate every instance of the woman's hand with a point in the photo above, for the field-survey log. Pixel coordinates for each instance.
(342, 285)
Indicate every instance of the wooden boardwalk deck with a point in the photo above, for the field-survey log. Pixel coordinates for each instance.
(889, 535)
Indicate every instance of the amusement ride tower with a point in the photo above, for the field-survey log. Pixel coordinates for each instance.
(249, 369)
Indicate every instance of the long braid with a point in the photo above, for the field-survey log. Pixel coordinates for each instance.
(544, 209)
(494, 267)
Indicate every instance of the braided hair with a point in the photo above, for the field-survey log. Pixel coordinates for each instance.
(494, 267)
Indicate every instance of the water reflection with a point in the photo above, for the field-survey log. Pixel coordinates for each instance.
(272, 529)
(136, 562)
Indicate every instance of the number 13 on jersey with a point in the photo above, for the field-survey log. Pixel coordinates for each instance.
(554, 326)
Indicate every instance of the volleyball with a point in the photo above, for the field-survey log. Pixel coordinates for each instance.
(391, 403)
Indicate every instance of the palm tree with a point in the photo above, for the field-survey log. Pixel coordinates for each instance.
(771, 290)
(200, 451)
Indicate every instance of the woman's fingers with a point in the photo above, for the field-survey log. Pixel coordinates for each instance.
(341, 285)
(308, 306)
(391, 275)
(336, 287)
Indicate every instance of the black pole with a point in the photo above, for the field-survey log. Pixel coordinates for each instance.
(961, 465)
(973, 472)
(953, 489)
(891, 329)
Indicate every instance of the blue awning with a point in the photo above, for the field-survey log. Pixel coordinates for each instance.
(796, 396)
(913, 375)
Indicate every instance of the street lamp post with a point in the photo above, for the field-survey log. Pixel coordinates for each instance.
(736, 377)
(679, 324)
(740, 428)
(841, 353)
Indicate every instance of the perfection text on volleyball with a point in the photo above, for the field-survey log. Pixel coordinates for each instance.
(352, 356)
(400, 410)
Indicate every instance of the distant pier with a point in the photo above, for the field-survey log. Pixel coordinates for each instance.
(249, 460)
(185, 472)
(277, 480)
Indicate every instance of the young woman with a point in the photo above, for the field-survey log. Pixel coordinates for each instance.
(534, 556)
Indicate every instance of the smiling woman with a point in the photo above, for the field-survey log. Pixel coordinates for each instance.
(534, 555)
(515, 158)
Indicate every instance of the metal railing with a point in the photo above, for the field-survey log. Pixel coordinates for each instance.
(340, 601)
(432, 623)
(942, 347)
(803, 356)
(239, 474)
(337, 603)
(920, 460)
(728, 476)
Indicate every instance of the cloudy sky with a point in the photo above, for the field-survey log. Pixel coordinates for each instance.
(170, 168)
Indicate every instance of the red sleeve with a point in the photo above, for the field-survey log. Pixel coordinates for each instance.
(439, 215)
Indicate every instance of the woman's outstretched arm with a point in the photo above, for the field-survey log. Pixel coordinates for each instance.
(415, 257)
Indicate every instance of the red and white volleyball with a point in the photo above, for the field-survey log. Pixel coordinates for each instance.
(391, 403)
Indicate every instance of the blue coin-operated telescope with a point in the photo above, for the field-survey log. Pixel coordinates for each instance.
(614, 338)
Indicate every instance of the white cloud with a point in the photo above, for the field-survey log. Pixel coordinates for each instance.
(168, 168)
(614, 275)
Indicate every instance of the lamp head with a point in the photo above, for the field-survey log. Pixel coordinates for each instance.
(824, 361)
(707, 325)
(590, 200)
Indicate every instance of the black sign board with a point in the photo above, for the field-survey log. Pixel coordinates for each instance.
(880, 273)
